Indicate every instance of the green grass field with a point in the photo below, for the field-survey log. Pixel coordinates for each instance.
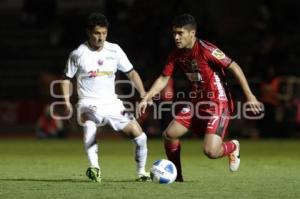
(55, 169)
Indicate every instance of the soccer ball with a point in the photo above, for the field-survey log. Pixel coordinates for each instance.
(163, 172)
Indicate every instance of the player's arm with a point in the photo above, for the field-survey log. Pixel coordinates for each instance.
(236, 70)
(159, 84)
(66, 85)
(66, 91)
(135, 78)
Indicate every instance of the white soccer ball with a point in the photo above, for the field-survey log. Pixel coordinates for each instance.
(163, 172)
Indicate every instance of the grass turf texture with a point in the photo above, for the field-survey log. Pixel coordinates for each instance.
(55, 169)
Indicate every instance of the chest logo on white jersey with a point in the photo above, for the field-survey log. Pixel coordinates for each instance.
(98, 73)
(110, 58)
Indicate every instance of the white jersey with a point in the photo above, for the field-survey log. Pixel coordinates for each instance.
(95, 71)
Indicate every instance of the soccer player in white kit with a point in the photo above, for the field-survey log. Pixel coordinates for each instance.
(94, 63)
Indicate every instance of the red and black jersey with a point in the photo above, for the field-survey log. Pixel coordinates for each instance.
(204, 66)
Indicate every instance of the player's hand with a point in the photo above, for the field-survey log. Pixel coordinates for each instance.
(142, 107)
(254, 105)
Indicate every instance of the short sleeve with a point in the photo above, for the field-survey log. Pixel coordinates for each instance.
(216, 56)
(124, 64)
(169, 67)
(72, 65)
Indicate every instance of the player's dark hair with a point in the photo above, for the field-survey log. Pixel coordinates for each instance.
(185, 21)
(96, 19)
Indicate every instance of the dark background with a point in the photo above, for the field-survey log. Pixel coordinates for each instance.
(36, 37)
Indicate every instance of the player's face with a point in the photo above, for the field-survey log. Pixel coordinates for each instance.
(97, 37)
(183, 37)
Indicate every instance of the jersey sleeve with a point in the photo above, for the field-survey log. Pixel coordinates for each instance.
(216, 56)
(124, 64)
(72, 65)
(169, 67)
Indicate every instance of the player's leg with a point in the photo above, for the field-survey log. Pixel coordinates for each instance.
(172, 144)
(214, 147)
(89, 121)
(120, 120)
(139, 138)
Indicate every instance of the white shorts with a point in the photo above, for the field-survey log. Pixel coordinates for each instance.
(113, 113)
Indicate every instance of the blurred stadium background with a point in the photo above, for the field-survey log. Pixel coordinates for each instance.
(36, 37)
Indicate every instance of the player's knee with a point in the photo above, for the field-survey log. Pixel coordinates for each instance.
(135, 129)
(211, 153)
(132, 129)
(166, 136)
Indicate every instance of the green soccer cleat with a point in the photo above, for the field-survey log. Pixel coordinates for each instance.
(94, 174)
(145, 177)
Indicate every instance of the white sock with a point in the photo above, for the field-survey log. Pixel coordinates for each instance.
(141, 152)
(90, 145)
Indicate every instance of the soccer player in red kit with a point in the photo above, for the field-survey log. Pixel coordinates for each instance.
(210, 101)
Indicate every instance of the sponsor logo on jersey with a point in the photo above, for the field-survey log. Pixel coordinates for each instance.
(194, 77)
(217, 53)
(194, 65)
(92, 74)
(221, 90)
(110, 58)
(95, 73)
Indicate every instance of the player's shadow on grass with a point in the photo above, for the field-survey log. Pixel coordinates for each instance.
(44, 180)
(109, 181)
(66, 180)
(119, 180)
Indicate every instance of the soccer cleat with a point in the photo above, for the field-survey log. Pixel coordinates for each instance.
(234, 157)
(145, 177)
(179, 178)
(94, 174)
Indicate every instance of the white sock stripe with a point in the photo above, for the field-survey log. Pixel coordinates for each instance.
(90, 123)
(89, 134)
(90, 145)
(140, 137)
(141, 152)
